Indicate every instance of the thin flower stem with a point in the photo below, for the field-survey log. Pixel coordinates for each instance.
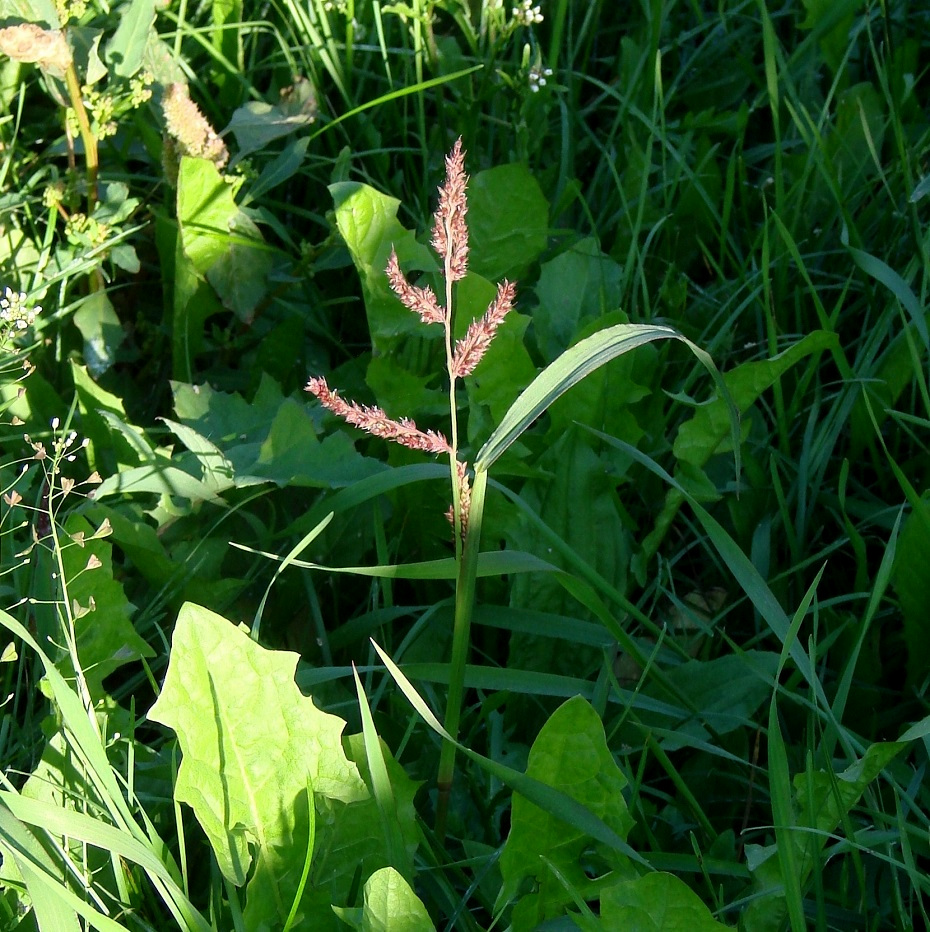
(95, 278)
(461, 642)
(454, 425)
(87, 136)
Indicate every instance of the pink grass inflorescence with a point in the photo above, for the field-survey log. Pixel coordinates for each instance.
(450, 233)
(373, 420)
(472, 347)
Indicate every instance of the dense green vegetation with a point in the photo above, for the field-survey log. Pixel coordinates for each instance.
(667, 665)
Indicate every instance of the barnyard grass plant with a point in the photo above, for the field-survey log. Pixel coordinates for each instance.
(450, 240)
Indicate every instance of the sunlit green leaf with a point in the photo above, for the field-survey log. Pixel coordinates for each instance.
(250, 743)
(569, 754)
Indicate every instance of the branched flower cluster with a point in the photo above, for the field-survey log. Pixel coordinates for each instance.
(538, 77)
(68, 10)
(106, 105)
(450, 240)
(14, 315)
(527, 14)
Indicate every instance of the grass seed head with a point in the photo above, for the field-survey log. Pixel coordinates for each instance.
(450, 233)
(373, 420)
(421, 301)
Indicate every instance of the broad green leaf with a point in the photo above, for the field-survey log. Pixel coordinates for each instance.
(96, 69)
(160, 478)
(106, 449)
(388, 905)
(830, 21)
(102, 331)
(352, 842)
(222, 242)
(572, 366)
(727, 691)
(710, 430)
(250, 742)
(193, 303)
(403, 393)
(574, 289)
(508, 221)
(571, 755)
(292, 455)
(272, 439)
(403, 790)
(217, 471)
(240, 275)
(206, 211)
(41, 12)
(283, 167)
(139, 540)
(257, 123)
(106, 638)
(225, 416)
(126, 48)
(657, 902)
(115, 206)
(367, 221)
(825, 799)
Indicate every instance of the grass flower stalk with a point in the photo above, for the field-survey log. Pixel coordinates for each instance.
(450, 240)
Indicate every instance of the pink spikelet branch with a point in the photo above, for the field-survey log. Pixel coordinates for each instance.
(376, 422)
(450, 233)
(472, 347)
(421, 301)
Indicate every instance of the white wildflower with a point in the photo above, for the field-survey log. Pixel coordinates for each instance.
(13, 310)
(538, 77)
(527, 14)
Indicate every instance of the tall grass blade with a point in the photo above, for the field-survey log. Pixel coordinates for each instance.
(546, 797)
(571, 367)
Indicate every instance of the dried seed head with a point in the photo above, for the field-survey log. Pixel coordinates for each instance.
(450, 233)
(461, 470)
(421, 301)
(189, 128)
(373, 419)
(464, 495)
(28, 42)
(472, 347)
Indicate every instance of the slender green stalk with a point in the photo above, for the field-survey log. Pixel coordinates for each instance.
(91, 158)
(461, 640)
(87, 136)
